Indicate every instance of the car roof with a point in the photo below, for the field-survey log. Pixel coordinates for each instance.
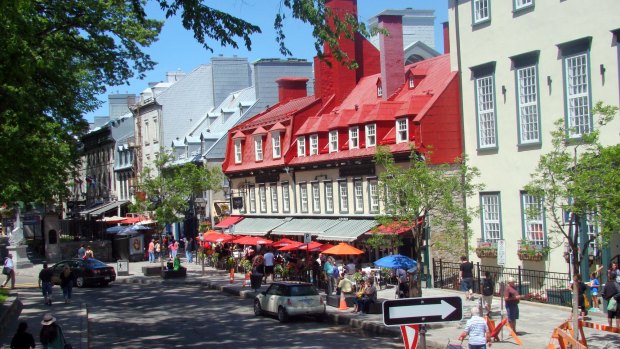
(292, 283)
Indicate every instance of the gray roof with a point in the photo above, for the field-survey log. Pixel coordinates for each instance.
(258, 226)
(348, 229)
(301, 226)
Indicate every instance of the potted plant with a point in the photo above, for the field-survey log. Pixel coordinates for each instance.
(281, 271)
(486, 249)
(529, 251)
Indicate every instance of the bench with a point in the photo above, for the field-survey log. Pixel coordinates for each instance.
(334, 300)
(151, 271)
(173, 274)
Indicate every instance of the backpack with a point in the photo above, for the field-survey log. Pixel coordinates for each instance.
(336, 272)
(487, 287)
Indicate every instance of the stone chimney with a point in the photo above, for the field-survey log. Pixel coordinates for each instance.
(446, 37)
(392, 60)
(290, 88)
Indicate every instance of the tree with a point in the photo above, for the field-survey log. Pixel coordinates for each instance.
(419, 193)
(581, 179)
(58, 55)
(169, 188)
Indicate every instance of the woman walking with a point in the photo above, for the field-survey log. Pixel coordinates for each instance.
(66, 283)
(9, 270)
(51, 335)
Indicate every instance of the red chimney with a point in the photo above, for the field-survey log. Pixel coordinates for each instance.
(392, 60)
(446, 37)
(291, 88)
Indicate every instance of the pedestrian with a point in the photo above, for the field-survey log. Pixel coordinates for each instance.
(488, 289)
(581, 294)
(89, 253)
(158, 250)
(269, 259)
(612, 290)
(368, 297)
(45, 283)
(511, 298)
(467, 276)
(151, 250)
(22, 338)
(9, 270)
(613, 271)
(328, 269)
(594, 284)
(66, 283)
(477, 330)
(174, 248)
(51, 335)
(189, 250)
(345, 286)
(81, 251)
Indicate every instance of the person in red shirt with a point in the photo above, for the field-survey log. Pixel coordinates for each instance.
(512, 298)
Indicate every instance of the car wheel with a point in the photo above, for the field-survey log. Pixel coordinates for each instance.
(258, 311)
(79, 282)
(282, 315)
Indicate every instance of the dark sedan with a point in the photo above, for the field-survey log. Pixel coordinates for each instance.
(87, 272)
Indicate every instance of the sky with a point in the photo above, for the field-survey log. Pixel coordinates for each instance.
(177, 49)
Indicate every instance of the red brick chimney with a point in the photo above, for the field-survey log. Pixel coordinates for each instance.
(392, 60)
(446, 37)
(291, 88)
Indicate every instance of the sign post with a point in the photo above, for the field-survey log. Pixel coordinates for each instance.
(501, 252)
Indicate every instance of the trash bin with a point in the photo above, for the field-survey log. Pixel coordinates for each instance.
(256, 279)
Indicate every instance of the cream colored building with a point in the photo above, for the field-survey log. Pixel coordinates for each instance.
(525, 64)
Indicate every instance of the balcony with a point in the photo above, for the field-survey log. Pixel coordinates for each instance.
(532, 251)
(486, 249)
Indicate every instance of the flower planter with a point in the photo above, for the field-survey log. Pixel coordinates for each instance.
(486, 253)
(535, 257)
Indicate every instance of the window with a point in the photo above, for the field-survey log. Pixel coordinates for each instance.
(481, 11)
(314, 144)
(533, 219)
(354, 140)
(521, 4)
(274, 198)
(252, 200)
(528, 111)
(371, 135)
(411, 82)
(402, 130)
(303, 193)
(577, 91)
(490, 216)
(262, 195)
(343, 192)
(359, 196)
(258, 148)
(329, 197)
(286, 198)
(275, 143)
(485, 107)
(373, 196)
(301, 146)
(333, 141)
(238, 151)
(316, 198)
(379, 89)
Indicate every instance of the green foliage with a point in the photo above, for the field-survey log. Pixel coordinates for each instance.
(581, 177)
(383, 241)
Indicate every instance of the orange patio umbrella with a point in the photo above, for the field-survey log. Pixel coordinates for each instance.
(343, 249)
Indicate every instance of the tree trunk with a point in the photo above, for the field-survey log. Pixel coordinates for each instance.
(415, 283)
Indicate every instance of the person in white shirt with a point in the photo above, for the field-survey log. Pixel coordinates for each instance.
(9, 270)
(269, 258)
(477, 330)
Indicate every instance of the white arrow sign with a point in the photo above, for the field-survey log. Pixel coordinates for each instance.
(444, 309)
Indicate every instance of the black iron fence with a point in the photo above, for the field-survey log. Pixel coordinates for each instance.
(533, 285)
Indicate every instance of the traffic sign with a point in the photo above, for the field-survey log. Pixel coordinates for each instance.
(501, 252)
(307, 238)
(422, 310)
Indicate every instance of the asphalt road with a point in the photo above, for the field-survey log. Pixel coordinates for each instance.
(187, 316)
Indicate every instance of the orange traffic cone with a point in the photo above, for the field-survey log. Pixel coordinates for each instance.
(246, 280)
(232, 275)
(343, 302)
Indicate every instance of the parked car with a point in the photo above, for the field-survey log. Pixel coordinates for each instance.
(87, 272)
(285, 299)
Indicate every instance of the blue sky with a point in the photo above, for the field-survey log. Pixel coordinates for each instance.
(178, 50)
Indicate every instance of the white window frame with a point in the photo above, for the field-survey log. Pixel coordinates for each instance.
(533, 226)
(314, 144)
(252, 194)
(373, 196)
(522, 4)
(411, 82)
(481, 10)
(577, 90)
(371, 135)
(301, 146)
(316, 197)
(275, 144)
(490, 216)
(354, 137)
(303, 197)
(238, 152)
(485, 112)
(527, 105)
(258, 148)
(333, 141)
(274, 198)
(286, 198)
(262, 196)
(358, 192)
(379, 90)
(343, 196)
(402, 130)
(329, 197)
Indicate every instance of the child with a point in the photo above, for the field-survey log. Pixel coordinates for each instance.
(594, 287)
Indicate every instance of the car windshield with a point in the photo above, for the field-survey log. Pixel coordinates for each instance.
(94, 263)
(304, 290)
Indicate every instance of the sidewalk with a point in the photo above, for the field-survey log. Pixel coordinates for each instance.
(535, 325)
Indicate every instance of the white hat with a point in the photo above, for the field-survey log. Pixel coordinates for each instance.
(48, 319)
(511, 279)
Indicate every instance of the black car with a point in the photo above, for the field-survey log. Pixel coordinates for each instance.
(87, 272)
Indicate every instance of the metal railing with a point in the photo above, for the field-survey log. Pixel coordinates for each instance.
(533, 285)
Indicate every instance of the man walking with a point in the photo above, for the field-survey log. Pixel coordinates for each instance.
(269, 258)
(45, 283)
(9, 270)
(467, 276)
(511, 298)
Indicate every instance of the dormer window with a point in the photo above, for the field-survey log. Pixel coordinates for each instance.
(301, 146)
(333, 141)
(371, 135)
(402, 130)
(314, 144)
(354, 140)
(238, 151)
(275, 143)
(379, 89)
(258, 148)
(411, 82)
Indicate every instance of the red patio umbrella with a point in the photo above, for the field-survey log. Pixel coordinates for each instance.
(252, 240)
(217, 237)
(343, 249)
(312, 245)
(300, 246)
(284, 242)
(291, 247)
(322, 248)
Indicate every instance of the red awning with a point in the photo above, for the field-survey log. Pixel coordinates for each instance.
(395, 227)
(228, 221)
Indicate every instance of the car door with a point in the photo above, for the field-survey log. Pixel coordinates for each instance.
(56, 270)
(272, 297)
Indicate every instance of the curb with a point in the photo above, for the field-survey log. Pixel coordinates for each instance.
(11, 314)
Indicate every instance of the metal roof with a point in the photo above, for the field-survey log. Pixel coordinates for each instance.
(300, 226)
(258, 226)
(348, 229)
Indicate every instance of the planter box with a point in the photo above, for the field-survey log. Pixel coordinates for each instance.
(531, 257)
(486, 253)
